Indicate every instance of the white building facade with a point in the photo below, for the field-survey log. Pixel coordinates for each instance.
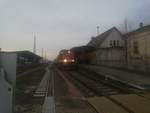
(110, 48)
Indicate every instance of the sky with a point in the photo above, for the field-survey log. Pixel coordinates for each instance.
(63, 24)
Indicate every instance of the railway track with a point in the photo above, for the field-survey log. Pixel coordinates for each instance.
(91, 84)
(93, 87)
(122, 87)
(114, 84)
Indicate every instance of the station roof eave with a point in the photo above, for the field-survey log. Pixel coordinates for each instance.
(27, 54)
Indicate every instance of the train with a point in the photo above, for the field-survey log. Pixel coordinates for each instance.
(73, 57)
(66, 58)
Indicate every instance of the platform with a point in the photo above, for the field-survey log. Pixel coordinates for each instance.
(134, 79)
(131, 103)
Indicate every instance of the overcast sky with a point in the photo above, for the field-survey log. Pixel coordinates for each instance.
(60, 24)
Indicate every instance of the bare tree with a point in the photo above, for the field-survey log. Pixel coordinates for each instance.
(126, 26)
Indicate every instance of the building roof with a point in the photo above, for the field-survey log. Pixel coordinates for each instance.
(139, 30)
(96, 41)
(27, 54)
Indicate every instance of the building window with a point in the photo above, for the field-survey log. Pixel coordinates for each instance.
(135, 47)
(110, 43)
(114, 43)
(117, 42)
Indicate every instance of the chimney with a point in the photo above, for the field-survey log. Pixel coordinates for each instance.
(141, 24)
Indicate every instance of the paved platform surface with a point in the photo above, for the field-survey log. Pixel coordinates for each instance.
(134, 102)
(73, 105)
(103, 105)
(129, 77)
(131, 104)
(49, 105)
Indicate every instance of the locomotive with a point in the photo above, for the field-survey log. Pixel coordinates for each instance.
(66, 58)
(77, 55)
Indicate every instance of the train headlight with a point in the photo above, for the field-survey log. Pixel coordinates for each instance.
(69, 52)
(65, 60)
(72, 60)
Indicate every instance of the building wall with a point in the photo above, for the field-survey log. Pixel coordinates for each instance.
(109, 54)
(109, 57)
(139, 50)
(114, 36)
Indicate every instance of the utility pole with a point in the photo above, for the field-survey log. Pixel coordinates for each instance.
(126, 25)
(97, 30)
(45, 55)
(34, 46)
(42, 53)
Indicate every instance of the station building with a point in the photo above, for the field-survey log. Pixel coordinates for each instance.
(138, 48)
(110, 48)
(26, 60)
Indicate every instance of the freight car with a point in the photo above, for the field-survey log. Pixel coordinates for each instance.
(83, 54)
